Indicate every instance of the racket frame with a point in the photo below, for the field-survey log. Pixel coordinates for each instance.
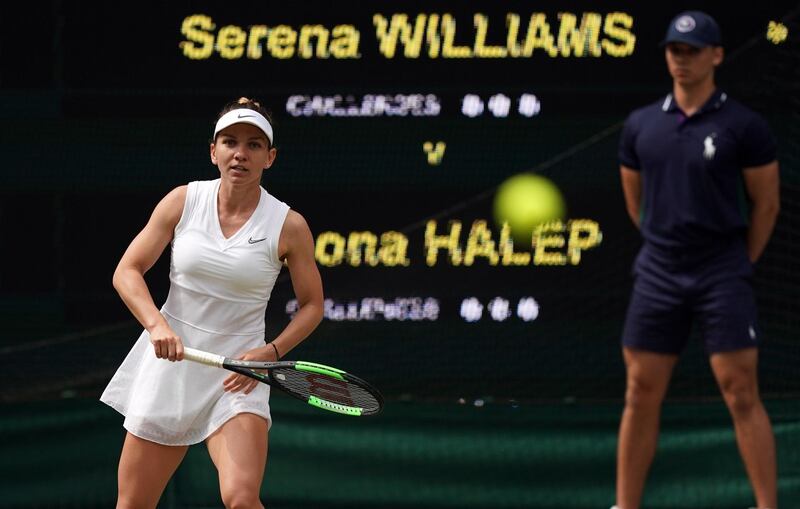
(248, 369)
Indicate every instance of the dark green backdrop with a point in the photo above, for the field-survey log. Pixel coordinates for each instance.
(100, 116)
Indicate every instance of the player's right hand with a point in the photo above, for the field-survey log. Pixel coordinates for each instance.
(166, 344)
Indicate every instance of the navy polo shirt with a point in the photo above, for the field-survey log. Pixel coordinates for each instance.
(693, 193)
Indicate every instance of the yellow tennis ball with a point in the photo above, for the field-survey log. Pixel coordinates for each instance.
(525, 201)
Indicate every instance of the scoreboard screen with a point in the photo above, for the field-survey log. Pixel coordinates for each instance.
(395, 122)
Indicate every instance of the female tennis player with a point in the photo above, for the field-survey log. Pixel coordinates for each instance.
(230, 238)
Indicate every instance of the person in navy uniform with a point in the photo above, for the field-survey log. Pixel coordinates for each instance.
(689, 164)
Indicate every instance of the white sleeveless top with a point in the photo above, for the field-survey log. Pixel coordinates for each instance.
(219, 290)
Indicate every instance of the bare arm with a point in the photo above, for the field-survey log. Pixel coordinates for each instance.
(763, 188)
(140, 256)
(632, 188)
(297, 248)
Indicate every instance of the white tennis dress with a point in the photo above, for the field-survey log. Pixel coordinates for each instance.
(219, 290)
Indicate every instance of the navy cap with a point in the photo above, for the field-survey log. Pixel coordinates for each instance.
(694, 28)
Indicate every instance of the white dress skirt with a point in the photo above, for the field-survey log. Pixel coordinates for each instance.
(219, 290)
(180, 403)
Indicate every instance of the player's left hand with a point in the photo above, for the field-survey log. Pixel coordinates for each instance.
(236, 382)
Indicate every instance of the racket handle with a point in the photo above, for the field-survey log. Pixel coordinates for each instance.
(203, 357)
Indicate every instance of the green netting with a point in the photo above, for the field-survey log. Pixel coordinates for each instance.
(64, 455)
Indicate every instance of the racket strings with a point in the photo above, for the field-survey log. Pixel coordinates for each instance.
(340, 391)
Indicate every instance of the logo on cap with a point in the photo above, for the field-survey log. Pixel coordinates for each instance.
(244, 116)
(685, 24)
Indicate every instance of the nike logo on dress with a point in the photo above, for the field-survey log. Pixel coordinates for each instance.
(251, 240)
(244, 116)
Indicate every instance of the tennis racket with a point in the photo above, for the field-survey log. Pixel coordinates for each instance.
(318, 385)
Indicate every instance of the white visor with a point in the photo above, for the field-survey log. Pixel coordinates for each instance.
(244, 116)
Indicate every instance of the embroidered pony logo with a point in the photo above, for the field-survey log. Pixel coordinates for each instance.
(709, 149)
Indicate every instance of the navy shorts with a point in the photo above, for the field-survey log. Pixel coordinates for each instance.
(666, 300)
